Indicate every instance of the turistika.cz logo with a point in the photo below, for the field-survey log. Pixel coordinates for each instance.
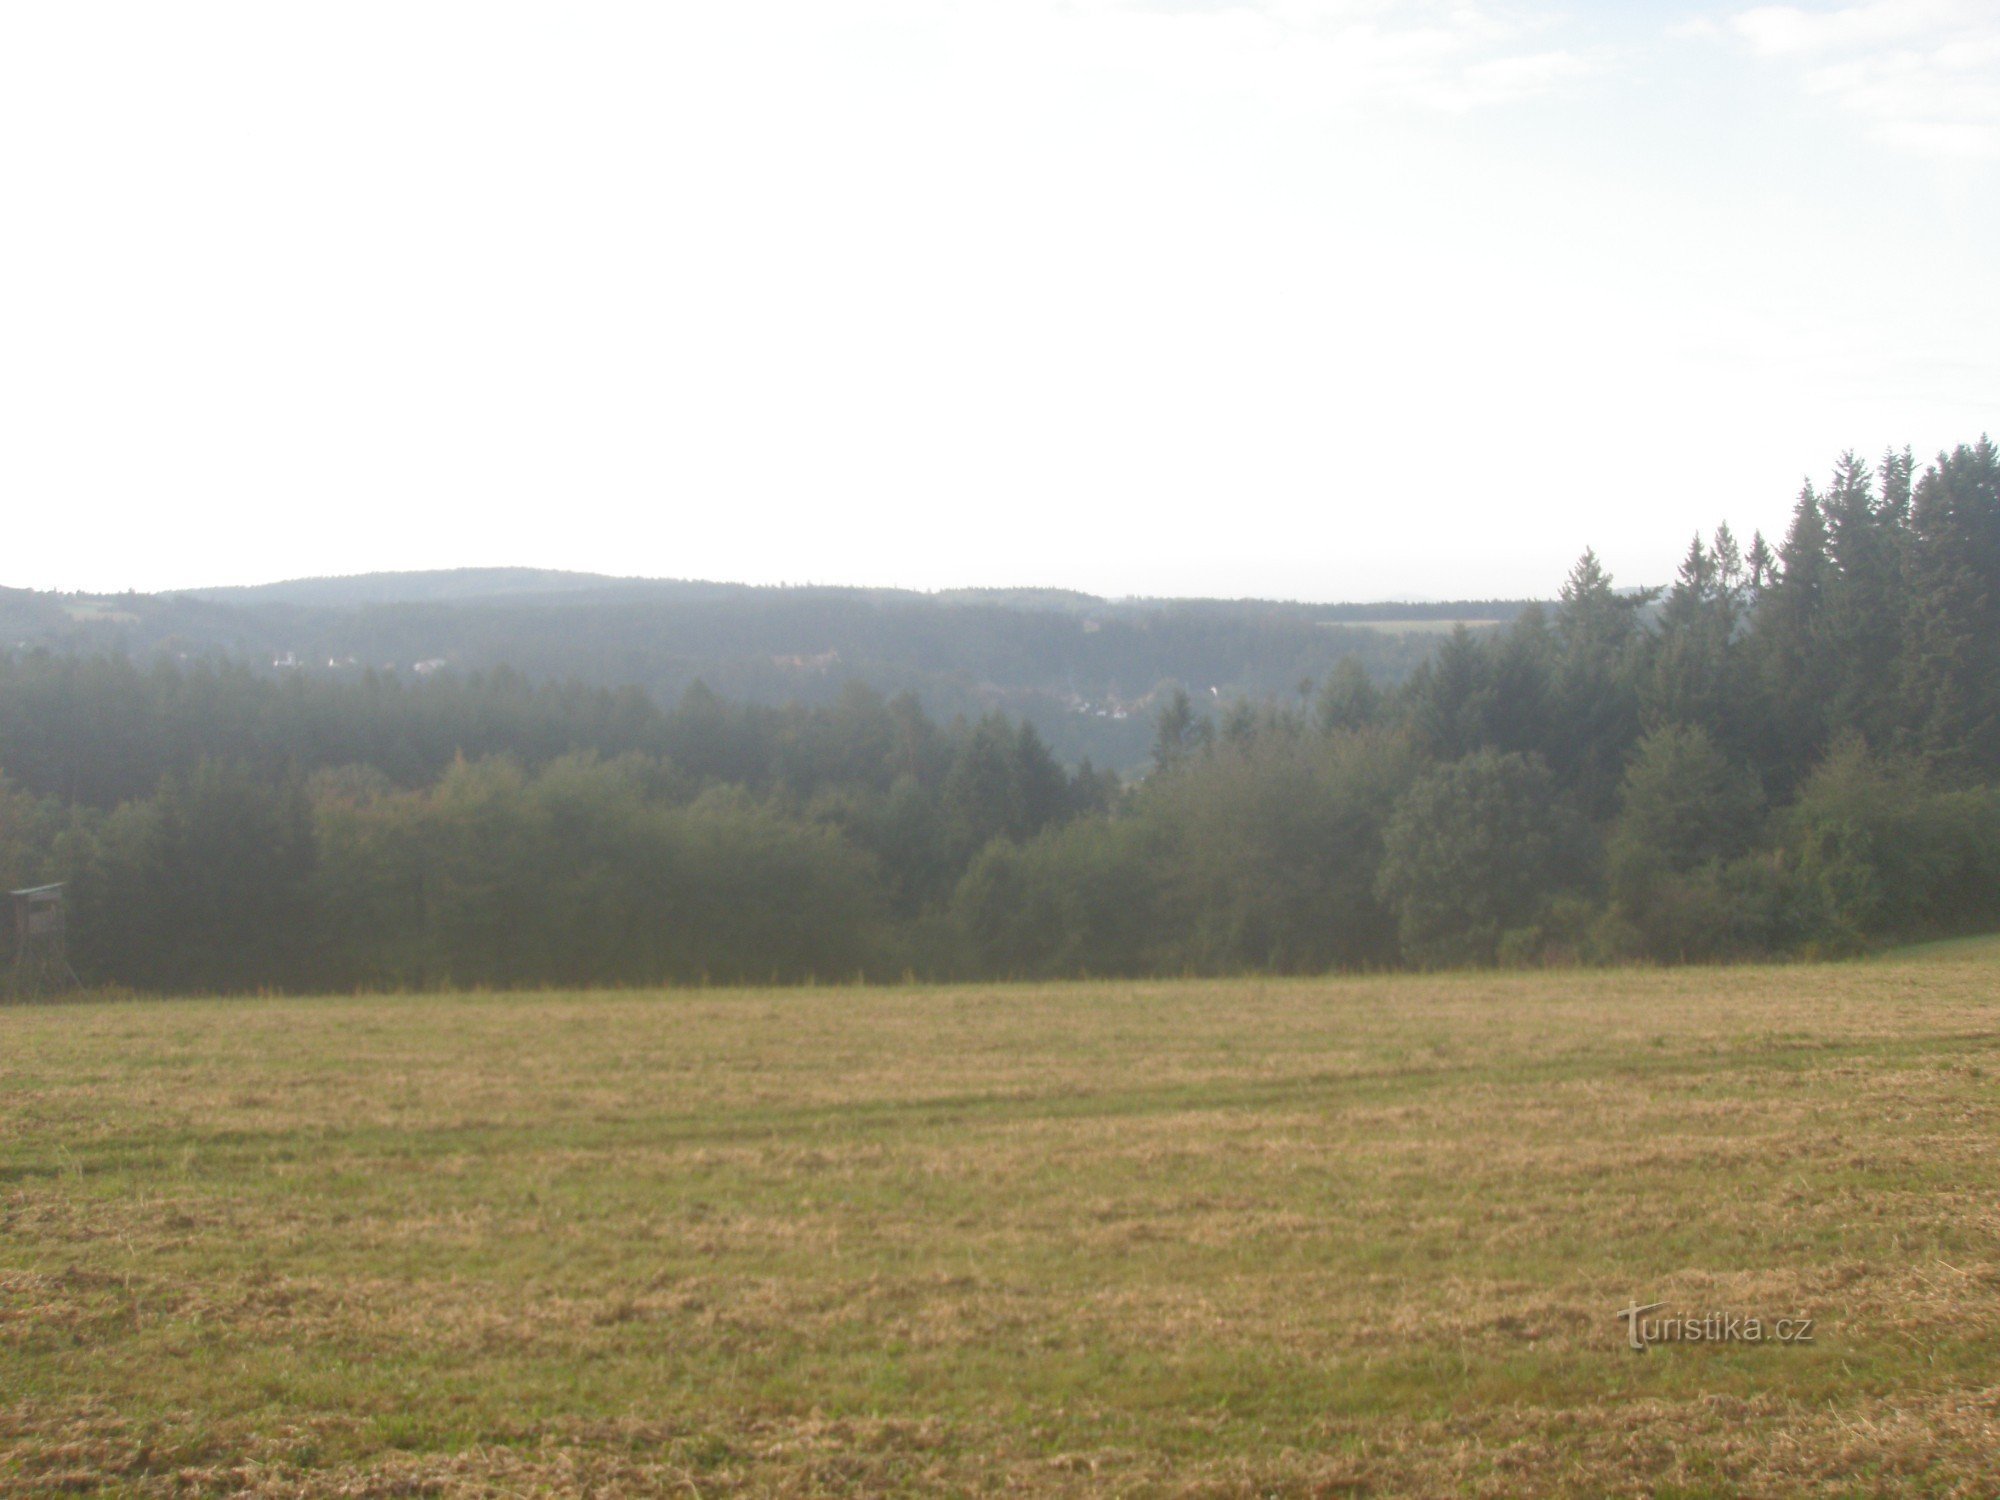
(1643, 1331)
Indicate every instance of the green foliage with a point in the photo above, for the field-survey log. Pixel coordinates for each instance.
(1268, 852)
(1684, 808)
(1876, 848)
(230, 830)
(1178, 732)
(30, 828)
(1594, 701)
(582, 874)
(1475, 849)
(1031, 653)
(1003, 783)
(1697, 673)
(1081, 899)
(206, 885)
(1951, 643)
(1450, 697)
(1794, 671)
(1683, 880)
(1867, 540)
(1259, 855)
(1348, 699)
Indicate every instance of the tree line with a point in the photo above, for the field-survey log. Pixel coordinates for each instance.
(1078, 666)
(1791, 749)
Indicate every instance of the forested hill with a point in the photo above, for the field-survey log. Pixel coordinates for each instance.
(1792, 749)
(433, 586)
(1086, 671)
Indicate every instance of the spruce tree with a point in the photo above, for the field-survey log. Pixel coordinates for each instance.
(1450, 695)
(1951, 649)
(1695, 670)
(1789, 644)
(1593, 696)
(1861, 631)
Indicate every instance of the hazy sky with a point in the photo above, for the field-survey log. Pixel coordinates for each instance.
(1308, 298)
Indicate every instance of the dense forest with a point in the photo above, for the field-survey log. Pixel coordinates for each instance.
(1790, 750)
(1085, 671)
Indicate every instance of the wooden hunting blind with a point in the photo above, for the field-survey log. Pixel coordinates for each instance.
(41, 954)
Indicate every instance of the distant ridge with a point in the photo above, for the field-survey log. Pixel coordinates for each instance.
(1087, 671)
(521, 585)
(525, 585)
(433, 586)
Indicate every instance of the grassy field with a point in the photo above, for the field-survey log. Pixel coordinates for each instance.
(1357, 1236)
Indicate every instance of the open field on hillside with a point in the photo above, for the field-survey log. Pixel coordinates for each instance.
(1360, 1236)
(1415, 627)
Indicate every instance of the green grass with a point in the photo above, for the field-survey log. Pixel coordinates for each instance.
(1245, 1237)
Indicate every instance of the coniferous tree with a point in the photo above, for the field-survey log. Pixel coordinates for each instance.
(1519, 709)
(1685, 810)
(1450, 696)
(1683, 803)
(1594, 701)
(1348, 699)
(1951, 656)
(1896, 476)
(1794, 675)
(1759, 564)
(206, 885)
(1695, 677)
(1178, 732)
(1475, 849)
(1239, 723)
(1861, 626)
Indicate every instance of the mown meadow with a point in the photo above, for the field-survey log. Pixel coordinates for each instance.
(1230, 1237)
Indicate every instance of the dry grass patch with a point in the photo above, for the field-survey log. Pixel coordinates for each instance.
(1356, 1236)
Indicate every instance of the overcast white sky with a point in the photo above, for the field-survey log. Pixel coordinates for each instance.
(1305, 298)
